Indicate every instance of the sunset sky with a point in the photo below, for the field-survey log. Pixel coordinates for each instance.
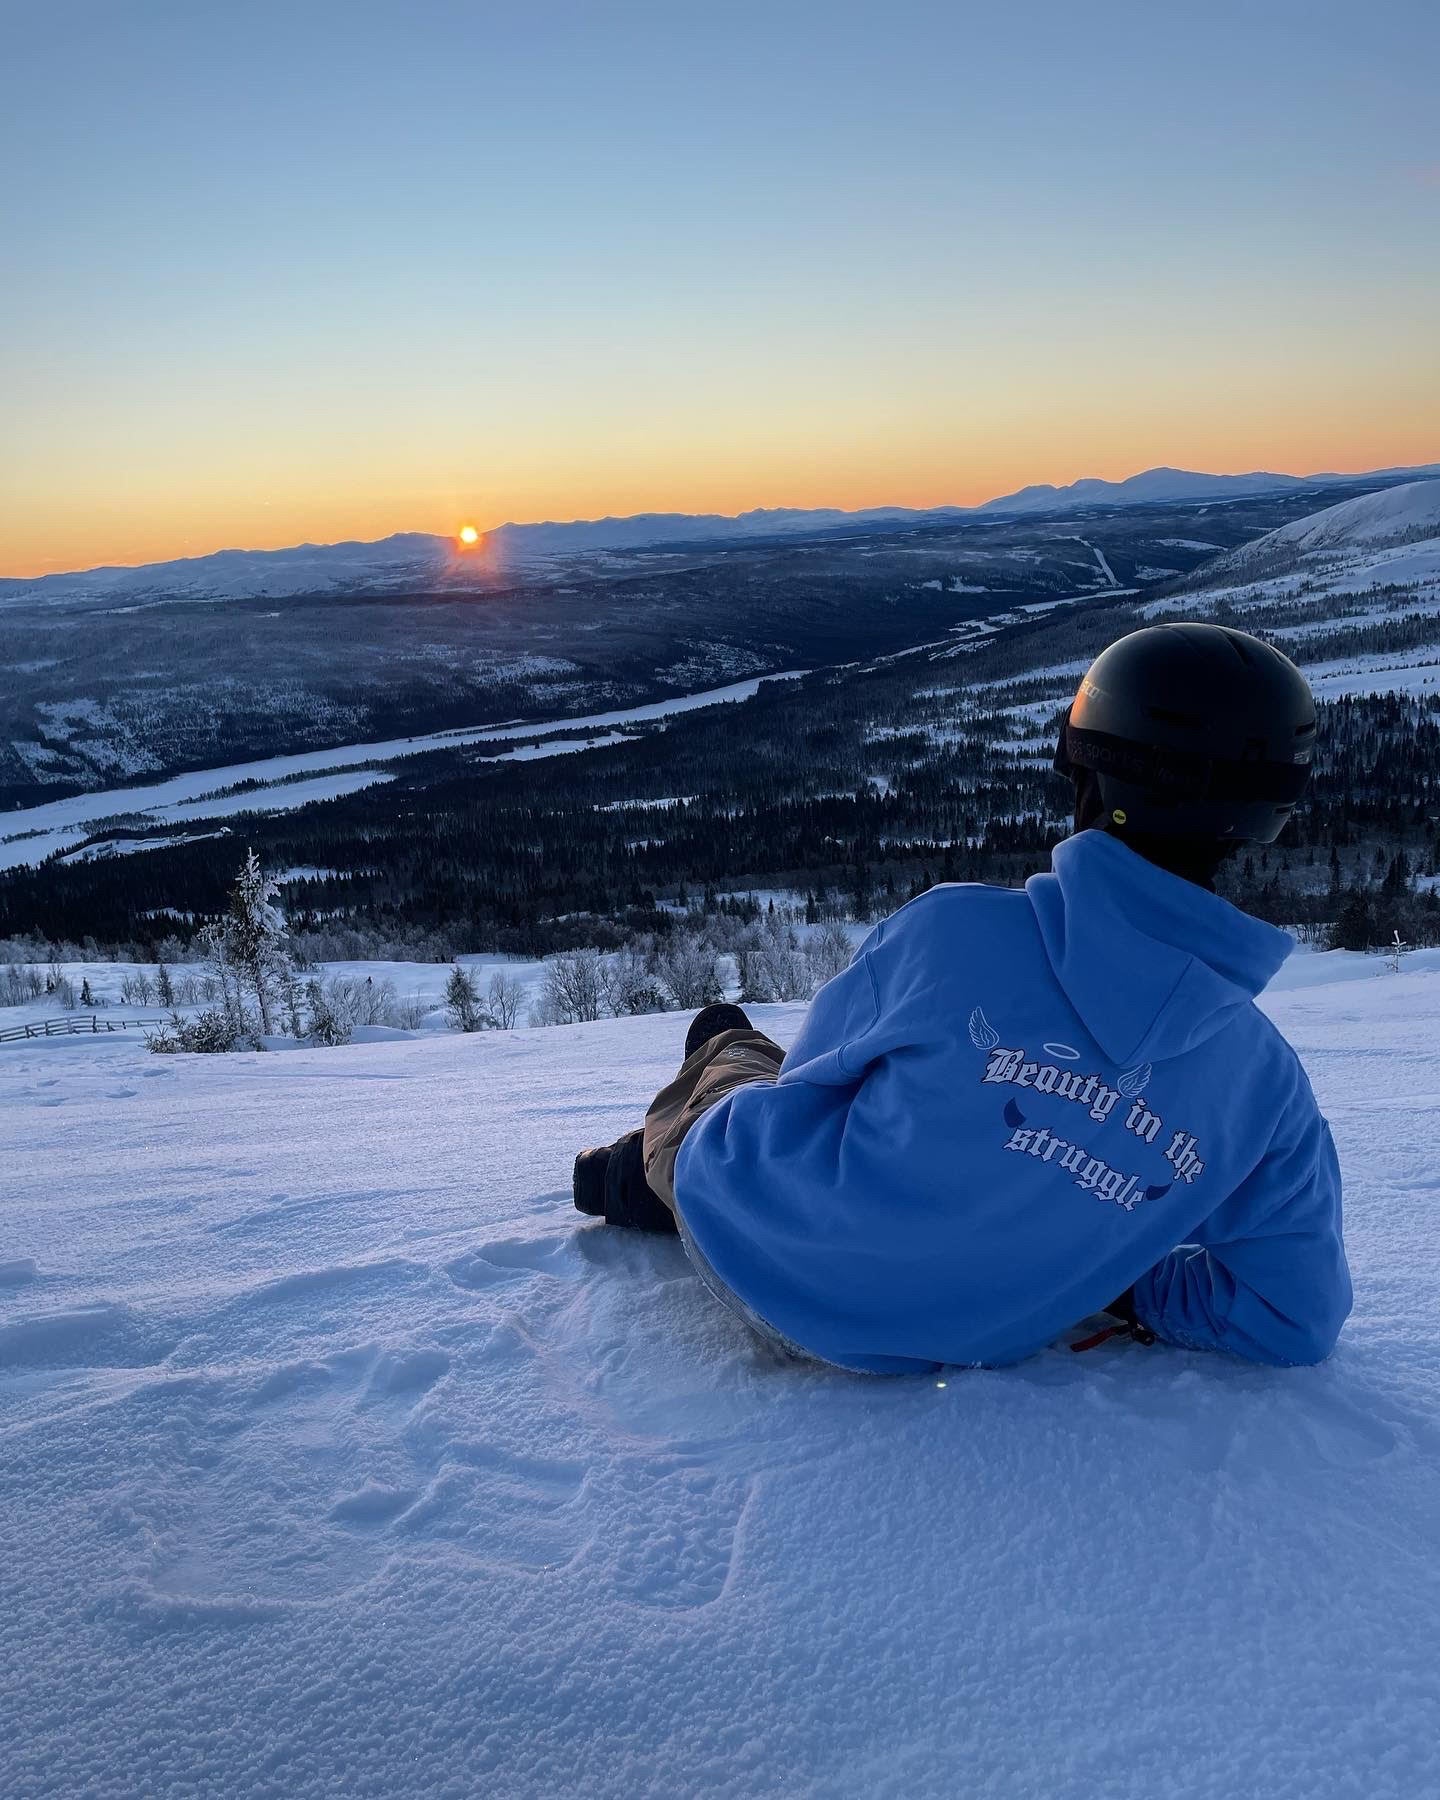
(337, 268)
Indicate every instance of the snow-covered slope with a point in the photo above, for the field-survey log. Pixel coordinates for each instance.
(1346, 547)
(339, 1456)
(1392, 515)
(1369, 563)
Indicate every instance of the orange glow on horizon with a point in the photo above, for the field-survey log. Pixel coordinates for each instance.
(168, 521)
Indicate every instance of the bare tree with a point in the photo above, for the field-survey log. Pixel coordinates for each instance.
(411, 1012)
(828, 951)
(574, 989)
(631, 984)
(503, 998)
(775, 966)
(688, 969)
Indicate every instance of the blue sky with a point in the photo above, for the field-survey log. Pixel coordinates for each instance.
(320, 270)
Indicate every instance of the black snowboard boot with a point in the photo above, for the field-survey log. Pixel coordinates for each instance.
(610, 1183)
(710, 1021)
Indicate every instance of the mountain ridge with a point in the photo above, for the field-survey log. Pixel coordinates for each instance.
(406, 558)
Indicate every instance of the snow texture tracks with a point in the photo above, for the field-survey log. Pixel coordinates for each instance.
(340, 1455)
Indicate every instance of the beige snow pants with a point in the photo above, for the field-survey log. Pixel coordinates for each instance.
(727, 1061)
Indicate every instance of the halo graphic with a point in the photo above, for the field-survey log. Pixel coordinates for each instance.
(1069, 1054)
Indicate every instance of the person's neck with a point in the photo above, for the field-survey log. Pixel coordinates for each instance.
(1198, 862)
(1192, 859)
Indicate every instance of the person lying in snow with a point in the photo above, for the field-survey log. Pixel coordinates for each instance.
(1015, 1106)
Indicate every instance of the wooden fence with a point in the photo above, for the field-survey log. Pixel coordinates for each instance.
(70, 1026)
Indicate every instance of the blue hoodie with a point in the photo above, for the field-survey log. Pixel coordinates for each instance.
(1014, 1106)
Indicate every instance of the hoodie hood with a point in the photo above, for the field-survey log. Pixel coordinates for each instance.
(1152, 964)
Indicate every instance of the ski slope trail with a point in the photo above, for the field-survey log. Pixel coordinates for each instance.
(341, 1456)
(1107, 574)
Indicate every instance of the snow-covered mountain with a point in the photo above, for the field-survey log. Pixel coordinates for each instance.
(392, 562)
(1151, 486)
(1397, 514)
(1363, 577)
(1157, 486)
(341, 1455)
(1345, 540)
(426, 561)
(552, 539)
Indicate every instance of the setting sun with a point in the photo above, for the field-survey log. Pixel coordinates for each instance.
(469, 535)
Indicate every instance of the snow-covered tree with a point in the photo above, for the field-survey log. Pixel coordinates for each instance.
(630, 983)
(328, 1025)
(774, 965)
(829, 951)
(462, 1000)
(247, 949)
(688, 969)
(292, 1000)
(209, 1033)
(574, 990)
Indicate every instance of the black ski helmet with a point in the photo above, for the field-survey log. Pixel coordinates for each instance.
(1193, 731)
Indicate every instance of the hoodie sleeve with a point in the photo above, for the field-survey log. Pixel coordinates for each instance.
(1267, 1277)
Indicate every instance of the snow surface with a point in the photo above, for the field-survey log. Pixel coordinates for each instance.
(1398, 672)
(341, 1457)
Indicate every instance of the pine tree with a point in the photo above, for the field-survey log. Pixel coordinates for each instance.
(292, 996)
(1355, 927)
(462, 1000)
(1397, 876)
(248, 948)
(164, 986)
(327, 1027)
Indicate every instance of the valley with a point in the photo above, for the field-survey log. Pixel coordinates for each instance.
(99, 691)
(916, 748)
